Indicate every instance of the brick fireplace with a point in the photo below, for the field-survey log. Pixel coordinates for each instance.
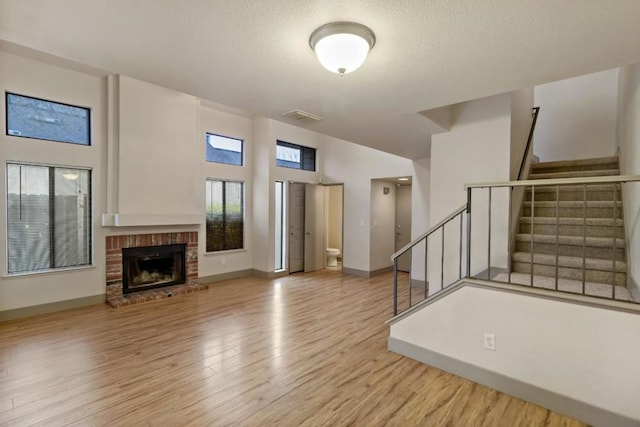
(114, 262)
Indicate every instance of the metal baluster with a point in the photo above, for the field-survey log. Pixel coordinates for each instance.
(426, 267)
(468, 232)
(410, 279)
(442, 261)
(613, 273)
(557, 233)
(395, 286)
(460, 263)
(584, 238)
(533, 196)
(489, 241)
(509, 262)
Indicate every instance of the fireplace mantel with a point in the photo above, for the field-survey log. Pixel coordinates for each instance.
(152, 219)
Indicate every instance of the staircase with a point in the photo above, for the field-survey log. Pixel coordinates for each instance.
(595, 241)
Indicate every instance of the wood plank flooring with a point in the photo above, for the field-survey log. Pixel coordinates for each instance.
(304, 350)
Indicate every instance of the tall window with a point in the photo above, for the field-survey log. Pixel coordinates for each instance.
(295, 156)
(48, 217)
(280, 226)
(225, 215)
(223, 149)
(53, 121)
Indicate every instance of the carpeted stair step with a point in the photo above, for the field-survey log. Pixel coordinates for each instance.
(569, 267)
(596, 227)
(574, 209)
(594, 247)
(574, 174)
(601, 163)
(575, 192)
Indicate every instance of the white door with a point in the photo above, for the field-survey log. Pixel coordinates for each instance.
(314, 242)
(296, 227)
(403, 224)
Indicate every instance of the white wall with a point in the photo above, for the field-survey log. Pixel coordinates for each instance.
(382, 235)
(629, 142)
(577, 117)
(477, 149)
(355, 166)
(521, 119)
(333, 206)
(585, 353)
(420, 195)
(235, 126)
(32, 78)
(157, 181)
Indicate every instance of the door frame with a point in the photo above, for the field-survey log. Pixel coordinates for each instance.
(288, 217)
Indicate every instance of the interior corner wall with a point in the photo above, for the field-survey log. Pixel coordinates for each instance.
(382, 235)
(476, 149)
(355, 166)
(577, 117)
(629, 143)
(420, 188)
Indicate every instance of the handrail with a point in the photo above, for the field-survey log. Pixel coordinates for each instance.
(430, 231)
(556, 181)
(529, 141)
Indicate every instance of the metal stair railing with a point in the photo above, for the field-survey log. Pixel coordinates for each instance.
(555, 185)
(410, 247)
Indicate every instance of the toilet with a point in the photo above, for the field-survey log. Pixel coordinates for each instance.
(332, 257)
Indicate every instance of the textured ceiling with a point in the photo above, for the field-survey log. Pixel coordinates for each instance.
(254, 55)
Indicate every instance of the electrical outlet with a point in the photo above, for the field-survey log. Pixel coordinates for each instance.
(223, 261)
(490, 341)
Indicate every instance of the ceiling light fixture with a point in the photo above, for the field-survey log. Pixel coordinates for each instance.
(342, 47)
(70, 176)
(403, 179)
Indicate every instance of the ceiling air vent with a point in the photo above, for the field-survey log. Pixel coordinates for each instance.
(301, 116)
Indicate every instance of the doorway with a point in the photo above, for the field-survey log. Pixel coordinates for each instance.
(403, 224)
(315, 227)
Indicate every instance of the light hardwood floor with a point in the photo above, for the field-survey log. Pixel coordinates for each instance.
(305, 350)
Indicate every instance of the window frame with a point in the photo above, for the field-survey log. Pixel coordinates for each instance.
(244, 214)
(303, 149)
(242, 160)
(90, 224)
(89, 120)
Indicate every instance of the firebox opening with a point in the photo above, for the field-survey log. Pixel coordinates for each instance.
(152, 267)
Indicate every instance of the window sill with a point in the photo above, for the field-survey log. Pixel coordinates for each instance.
(49, 271)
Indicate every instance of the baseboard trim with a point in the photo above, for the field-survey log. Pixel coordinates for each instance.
(355, 272)
(548, 399)
(52, 307)
(225, 276)
(417, 283)
(633, 287)
(381, 271)
(364, 273)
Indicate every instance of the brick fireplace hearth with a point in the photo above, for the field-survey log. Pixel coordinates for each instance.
(114, 246)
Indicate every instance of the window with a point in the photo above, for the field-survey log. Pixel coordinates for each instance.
(295, 156)
(225, 215)
(48, 217)
(223, 149)
(36, 118)
(280, 230)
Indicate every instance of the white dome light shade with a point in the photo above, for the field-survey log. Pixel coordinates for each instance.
(342, 53)
(342, 47)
